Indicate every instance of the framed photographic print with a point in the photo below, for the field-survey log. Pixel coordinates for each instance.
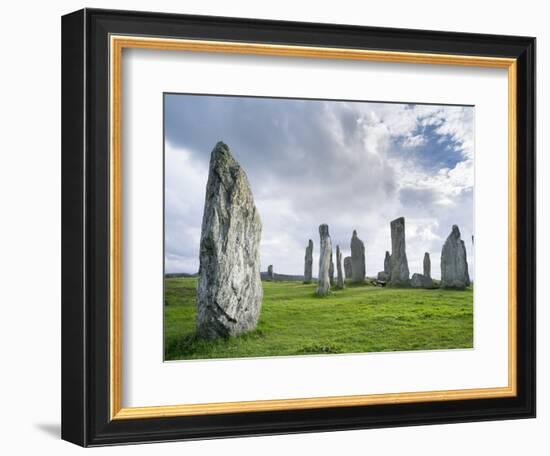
(279, 227)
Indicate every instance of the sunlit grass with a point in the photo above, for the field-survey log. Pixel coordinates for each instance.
(294, 321)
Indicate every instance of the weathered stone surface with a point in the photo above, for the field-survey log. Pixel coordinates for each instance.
(270, 275)
(308, 262)
(427, 265)
(399, 266)
(454, 262)
(383, 276)
(357, 259)
(229, 290)
(387, 263)
(331, 271)
(421, 281)
(339, 275)
(347, 267)
(325, 254)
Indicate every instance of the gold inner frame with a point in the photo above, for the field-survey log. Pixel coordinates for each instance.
(117, 44)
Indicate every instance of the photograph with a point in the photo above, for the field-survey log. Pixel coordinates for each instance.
(290, 224)
(297, 227)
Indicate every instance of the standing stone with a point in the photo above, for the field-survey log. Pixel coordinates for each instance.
(427, 265)
(229, 290)
(270, 275)
(384, 276)
(331, 270)
(421, 281)
(357, 259)
(308, 262)
(399, 267)
(347, 267)
(339, 276)
(387, 263)
(325, 252)
(454, 263)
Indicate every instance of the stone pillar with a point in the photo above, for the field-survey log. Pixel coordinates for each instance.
(427, 266)
(270, 275)
(387, 263)
(399, 266)
(229, 289)
(454, 263)
(347, 267)
(339, 276)
(331, 271)
(308, 262)
(325, 252)
(357, 259)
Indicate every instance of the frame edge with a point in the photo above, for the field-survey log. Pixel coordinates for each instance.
(73, 302)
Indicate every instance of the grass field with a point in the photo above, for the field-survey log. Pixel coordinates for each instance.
(294, 321)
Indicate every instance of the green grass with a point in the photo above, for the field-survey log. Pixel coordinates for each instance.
(294, 321)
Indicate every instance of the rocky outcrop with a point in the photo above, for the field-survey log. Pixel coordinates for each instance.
(427, 265)
(229, 290)
(454, 262)
(308, 262)
(325, 253)
(399, 266)
(357, 259)
(339, 274)
(347, 267)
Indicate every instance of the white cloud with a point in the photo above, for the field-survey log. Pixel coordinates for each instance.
(351, 165)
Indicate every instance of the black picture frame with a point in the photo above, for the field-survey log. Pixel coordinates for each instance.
(85, 227)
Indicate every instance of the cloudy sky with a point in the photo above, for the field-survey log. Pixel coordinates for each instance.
(352, 165)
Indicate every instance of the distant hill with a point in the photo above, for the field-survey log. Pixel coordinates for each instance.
(283, 277)
(173, 275)
(264, 276)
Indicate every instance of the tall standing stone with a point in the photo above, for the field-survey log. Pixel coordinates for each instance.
(229, 290)
(339, 274)
(427, 270)
(384, 276)
(357, 258)
(387, 263)
(331, 270)
(454, 262)
(308, 262)
(347, 267)
(270, 275)
(325, 252)
(399, 266)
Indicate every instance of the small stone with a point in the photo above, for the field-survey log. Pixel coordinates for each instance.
(308, 262)
(325, 253)
(229, 289)
(383, 276)
(421, 281)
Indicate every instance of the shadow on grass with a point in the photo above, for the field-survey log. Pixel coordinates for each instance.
(189, 345)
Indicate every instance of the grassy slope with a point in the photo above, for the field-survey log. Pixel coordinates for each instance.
(294, 321)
